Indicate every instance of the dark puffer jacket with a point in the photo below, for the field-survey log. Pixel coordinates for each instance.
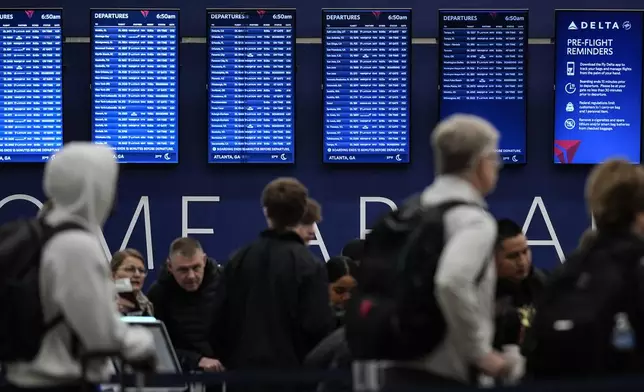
(188, 316)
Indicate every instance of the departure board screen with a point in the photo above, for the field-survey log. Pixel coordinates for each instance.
(135, 84)
(251, 88)
(483, 58)
(598, 86)
(31, 109)
(367, 55)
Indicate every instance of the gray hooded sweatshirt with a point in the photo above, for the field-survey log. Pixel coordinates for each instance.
(74, 278)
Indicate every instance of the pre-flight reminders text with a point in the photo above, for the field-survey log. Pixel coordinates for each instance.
(589, 47)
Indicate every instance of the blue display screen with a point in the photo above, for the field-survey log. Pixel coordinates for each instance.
(483, 58)
(135, 84)
(31, 104)
(251, 87)
(367, 56)
(598, 86)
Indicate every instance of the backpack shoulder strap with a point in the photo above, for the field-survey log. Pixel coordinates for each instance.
(51, 231)
(443, 208)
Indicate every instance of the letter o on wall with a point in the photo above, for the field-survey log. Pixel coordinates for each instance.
(21, 196)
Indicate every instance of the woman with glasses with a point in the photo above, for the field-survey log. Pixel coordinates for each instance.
(128, 271)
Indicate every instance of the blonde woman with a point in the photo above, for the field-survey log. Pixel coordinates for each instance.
(129, 264)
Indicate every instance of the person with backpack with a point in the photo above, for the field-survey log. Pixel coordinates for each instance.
(57, 296)
(432, 313)
(590, 320)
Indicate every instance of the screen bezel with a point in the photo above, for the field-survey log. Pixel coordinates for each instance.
(91, 87)
(62, 80)
(526, 74)
(294, 77)
(151, 322)
(409, 88)
(558, 12)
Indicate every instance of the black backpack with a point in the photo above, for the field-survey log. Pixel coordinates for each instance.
(575, 317)
(394, 314)
(22, 324)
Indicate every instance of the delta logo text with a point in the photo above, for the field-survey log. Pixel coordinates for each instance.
(599, 25)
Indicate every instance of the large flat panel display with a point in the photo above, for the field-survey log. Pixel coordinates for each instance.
(367, 56)
(483, 58)
(135, 83)
(31, 88)
(251, 88)
(598, 86)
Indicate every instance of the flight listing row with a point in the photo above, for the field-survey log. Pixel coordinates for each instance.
(366, 83)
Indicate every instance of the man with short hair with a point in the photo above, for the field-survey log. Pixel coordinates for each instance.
(467, 165)
(184, 298)
(276, 307)
(312, 216)
(519, 285)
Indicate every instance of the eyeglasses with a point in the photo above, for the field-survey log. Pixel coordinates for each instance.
(130, 269)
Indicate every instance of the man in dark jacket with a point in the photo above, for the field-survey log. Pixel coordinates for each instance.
(276, 307)
(184, 298)
(519, 285)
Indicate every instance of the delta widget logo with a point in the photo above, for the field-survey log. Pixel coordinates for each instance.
(29, 13)
(565, 150)
(145, 13)
(376, 14)
(261, 13)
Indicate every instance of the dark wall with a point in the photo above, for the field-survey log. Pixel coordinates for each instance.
(555, 191)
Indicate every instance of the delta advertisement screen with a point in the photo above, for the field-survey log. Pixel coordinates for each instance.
(483, 58)
(367, 55)
(251, 88)
(135, 84)
(31, 87)
(598, 86)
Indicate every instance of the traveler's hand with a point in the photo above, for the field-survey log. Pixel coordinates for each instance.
(124, 305)
(211, 365)
(494, 365)
(516, 364)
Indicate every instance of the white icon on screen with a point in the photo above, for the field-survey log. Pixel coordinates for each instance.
(569, 123)
(570, 88)
(572, 26)
(570, 68)
(166, 156)
(626, 25)
(283, 157)
(514, 158)
(398, 158)
(570, 107)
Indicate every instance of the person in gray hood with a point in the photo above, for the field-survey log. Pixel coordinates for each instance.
(75, 279)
